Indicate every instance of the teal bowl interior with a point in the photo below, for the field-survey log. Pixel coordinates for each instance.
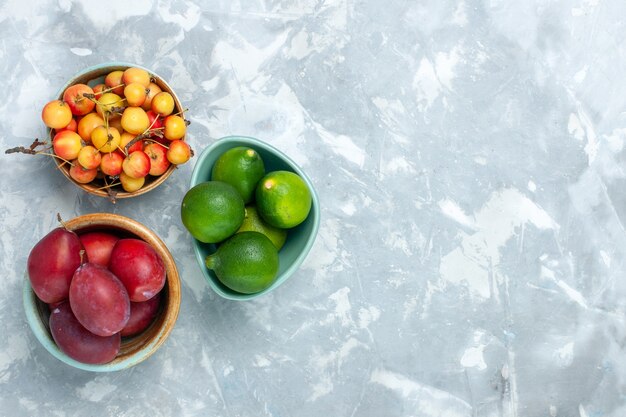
(38, 315)
(299, 239)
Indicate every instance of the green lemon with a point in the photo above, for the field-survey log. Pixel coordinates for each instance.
(254, 223)
(246, 263)
(241, 167)
(283, 199)
(212, 211)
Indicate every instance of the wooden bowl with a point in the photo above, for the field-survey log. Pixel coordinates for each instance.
(95, 75)
(134, 349)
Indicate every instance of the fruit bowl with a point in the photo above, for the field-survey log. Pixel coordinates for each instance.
(299, 239)
(96, 75)
(134, 349)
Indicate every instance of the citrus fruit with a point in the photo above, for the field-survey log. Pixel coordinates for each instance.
(212, 211)
(252, 222)
(241, 167)
(246, 263)
(283, 199)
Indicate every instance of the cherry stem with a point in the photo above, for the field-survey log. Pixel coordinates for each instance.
(123, 150)
(111, 193)
(91, 97)
(107, 186)
(181, 112)
(107, 90)
(60, 220)
(144, 135)
(54, 156)
(151, 124)
(154, 141)
(113, 109)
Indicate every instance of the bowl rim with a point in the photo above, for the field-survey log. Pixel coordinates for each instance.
(315, 211)
(103, 220)
(113, 66)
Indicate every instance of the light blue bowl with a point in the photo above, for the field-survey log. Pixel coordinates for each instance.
(299, 239)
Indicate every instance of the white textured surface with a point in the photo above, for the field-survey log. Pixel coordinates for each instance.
(469, 158)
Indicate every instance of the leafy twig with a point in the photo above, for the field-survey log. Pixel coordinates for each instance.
(112, 194)
(117, 109)
(145, 135)
(31, 150)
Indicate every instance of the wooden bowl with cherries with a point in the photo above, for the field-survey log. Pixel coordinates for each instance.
(116, 130)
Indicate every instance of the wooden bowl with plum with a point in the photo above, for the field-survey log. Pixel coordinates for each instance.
(101, 292)
(117, 130)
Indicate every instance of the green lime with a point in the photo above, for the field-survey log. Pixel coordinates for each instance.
(254, 223)
(246, 262)
(283, 199)
(241, 167)
(212, 211)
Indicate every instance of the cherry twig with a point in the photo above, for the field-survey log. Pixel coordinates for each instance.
(31, 150)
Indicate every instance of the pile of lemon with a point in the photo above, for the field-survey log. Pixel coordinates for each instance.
(247, 212)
